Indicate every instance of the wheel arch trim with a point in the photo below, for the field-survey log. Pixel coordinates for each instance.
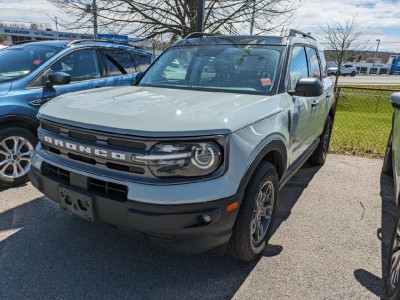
(276, 144)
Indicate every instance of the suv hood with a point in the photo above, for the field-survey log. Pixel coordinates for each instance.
(5, 87)
(157, 112)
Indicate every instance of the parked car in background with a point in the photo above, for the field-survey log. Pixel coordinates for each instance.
(391, 166)
(344, 70)
(33, 73)
(194, 156)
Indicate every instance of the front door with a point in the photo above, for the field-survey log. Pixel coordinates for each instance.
(82, 66)
(301, 130)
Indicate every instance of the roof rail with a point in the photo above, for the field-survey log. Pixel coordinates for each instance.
(196, 35)
(22, 42)
(76, 42)
(294, 32)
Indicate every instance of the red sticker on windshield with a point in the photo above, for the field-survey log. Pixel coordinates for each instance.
(36, 62)
(265, 81)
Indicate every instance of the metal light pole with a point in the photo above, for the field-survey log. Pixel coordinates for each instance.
(377, 47)
(94, 11)
(253, 15)
(57, 28)
(201, 6)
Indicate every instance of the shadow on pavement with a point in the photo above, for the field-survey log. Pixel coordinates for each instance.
(368, 280)
(292, 191)
(45, 252)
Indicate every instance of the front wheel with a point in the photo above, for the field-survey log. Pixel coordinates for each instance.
(256, 217)
(16, 150)
(321, 152)
(392, 274)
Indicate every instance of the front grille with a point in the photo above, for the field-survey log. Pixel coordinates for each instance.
(110, 190)
(89, 139)
(57, 173)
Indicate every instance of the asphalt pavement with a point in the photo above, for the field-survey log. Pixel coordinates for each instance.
(369, 80)
(330, 241)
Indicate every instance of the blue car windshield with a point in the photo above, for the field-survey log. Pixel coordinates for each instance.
(18, 61)
(252, 69)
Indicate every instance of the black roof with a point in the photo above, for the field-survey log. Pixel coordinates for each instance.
(232, 39)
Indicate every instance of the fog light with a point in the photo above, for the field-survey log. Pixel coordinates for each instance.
(206, 218)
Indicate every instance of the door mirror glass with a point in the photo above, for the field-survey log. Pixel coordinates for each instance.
(395, 100)
(59, 78)
(309, 87)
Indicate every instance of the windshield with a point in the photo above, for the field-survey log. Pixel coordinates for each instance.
(228, 68)
(18, 61)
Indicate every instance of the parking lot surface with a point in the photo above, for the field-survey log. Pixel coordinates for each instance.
(332, 230)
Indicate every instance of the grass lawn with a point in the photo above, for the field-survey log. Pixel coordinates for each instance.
(362, 122)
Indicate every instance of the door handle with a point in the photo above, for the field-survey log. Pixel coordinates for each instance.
(328, 95)
(315, 103)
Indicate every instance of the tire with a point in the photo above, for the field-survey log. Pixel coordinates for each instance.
(353, 74)
(393, 290)
(247, 243)
(387, 161)
(14, 166)
(320, 153)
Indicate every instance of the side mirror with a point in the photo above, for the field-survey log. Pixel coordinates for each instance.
(395, 100)
(137, 78)
(59, 78)
(308, 87)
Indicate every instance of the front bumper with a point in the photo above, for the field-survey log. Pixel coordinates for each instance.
(178, 227)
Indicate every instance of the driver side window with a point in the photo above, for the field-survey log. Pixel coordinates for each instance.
(298, 66)
(81, 65)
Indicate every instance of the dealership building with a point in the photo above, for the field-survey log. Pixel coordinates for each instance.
(15, 35)
(392, 66)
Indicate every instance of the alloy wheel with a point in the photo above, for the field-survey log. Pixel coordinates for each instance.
(15, 157)
(395, 260)
(262, 212)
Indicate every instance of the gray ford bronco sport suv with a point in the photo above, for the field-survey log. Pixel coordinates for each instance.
(193, 157)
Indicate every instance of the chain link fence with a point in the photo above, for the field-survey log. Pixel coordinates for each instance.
(363, 121)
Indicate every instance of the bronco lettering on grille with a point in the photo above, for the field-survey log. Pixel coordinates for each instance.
(82, 148)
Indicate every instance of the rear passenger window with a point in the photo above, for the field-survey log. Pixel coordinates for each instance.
(323, 64)
(119, 62)
(315, 70)
(298, 66)
(142, 61)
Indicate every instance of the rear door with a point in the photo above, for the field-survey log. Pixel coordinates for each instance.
(120, 66)
(318, 104)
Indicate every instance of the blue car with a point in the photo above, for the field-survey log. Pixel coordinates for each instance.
(33, 73)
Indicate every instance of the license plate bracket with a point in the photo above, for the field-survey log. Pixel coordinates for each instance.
(76, 203)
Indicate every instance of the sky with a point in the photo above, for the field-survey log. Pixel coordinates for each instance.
(380, 18)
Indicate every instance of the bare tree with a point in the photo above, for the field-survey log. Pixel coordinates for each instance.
(175, 18)
(343, 39)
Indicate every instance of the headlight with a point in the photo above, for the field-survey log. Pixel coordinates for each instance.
(182, 159)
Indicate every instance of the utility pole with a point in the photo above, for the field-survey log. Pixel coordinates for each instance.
(253, 15)
(57, 28)
(201, 5)
(92, 9)
(377, 47)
